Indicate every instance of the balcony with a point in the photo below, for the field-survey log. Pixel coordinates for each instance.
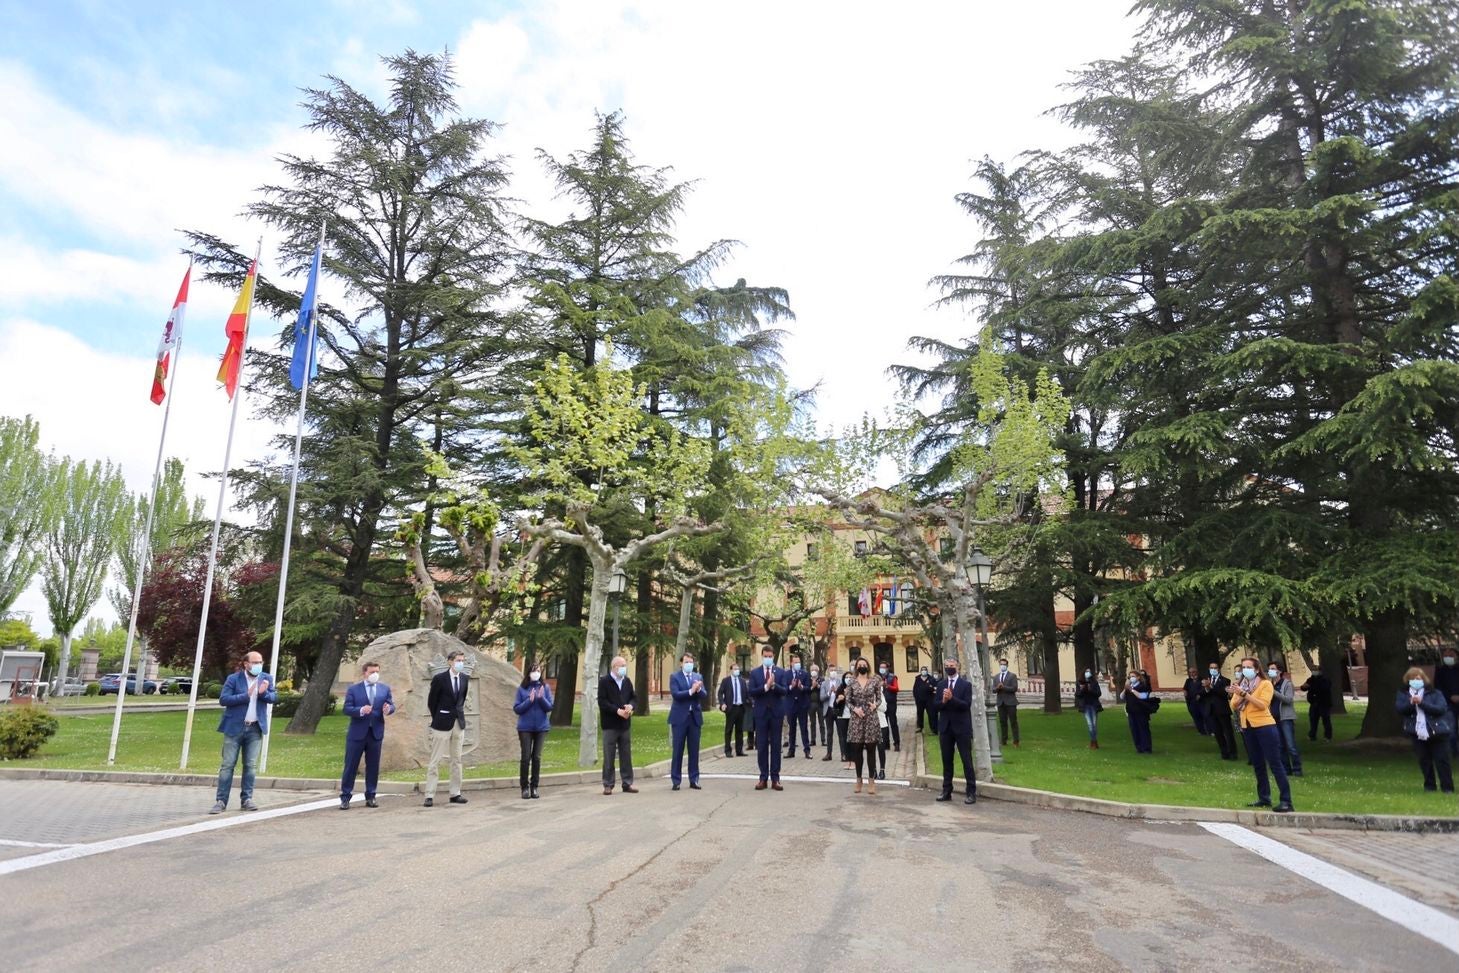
(883, 623)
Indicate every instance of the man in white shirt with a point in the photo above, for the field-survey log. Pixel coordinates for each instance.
(246, 697)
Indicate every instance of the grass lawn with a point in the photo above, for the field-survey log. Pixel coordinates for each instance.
(152, 742)
(1186, 768)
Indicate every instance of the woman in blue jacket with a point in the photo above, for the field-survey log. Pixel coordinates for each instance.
(1429, 724)
(533, 707)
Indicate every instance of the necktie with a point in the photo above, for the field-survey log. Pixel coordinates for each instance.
(455, 687)
(370, 692)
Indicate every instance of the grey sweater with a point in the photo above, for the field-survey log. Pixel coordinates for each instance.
(1284, 699)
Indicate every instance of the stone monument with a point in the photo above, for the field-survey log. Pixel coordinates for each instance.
(408, 660)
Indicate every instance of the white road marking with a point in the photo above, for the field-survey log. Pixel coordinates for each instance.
(70, 852)
(1412, 915)
(803, 780)
(16, 843)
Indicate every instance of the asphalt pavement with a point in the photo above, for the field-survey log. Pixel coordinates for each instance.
(725, 878)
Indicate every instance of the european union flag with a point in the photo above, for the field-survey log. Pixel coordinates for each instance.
(306, 331)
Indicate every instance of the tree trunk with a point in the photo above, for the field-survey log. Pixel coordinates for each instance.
(643, 654)
(1049, 641)
(572, 617)
(1084, 656)
(1386, 638)
(64, 666)
(968, 662)
(592, 658)
(1334, 658)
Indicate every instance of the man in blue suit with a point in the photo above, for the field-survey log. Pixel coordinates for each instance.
(798, 706)
(245, 700)
(767, 690)
(366, 703)
(952, 700)
(686, 719)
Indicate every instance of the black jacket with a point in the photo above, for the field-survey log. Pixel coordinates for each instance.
(447, 710)
(922, 689)
(1087, 694)
(1446, 681)
(1215, 700)
(1436, 712)
(1319, 692)
(954, 717)
(726, 697)
(611, 700)
(1134, 705)
(1192, 690)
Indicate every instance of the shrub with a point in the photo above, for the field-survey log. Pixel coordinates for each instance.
(213, 690)
(23, 729)
(285, 686)
(93, 689)
(287, 704)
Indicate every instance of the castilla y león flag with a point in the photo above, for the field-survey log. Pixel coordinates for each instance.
(171, 338)
(237, 331)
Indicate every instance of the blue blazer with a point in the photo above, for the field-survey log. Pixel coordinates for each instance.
(797, 701)
(533, 715)
(234, 700)
(373, 725)
(956, 715)
(686, 709)
(768, 702)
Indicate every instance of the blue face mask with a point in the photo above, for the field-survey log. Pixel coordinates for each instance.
(1416, 684)
(458, 665)
(1215, 673)
(255, 668)
(622, 672)
(766, 662)
(1272, 673)
(1247, 672)
(688, 667)
(795, 666)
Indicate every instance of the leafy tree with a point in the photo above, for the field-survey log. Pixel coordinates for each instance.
(172, 606)
(79, 544)
(27, 505)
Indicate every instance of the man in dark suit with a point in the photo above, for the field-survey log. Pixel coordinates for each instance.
(686, 719)
(767, 689)
(922, 688)
(734, 696)
(446, 702)
(1319, 702)
(798, 705)
(245, 699)
(953, 700)
(366, 703)
(615, 710)
(1218, 710)
(1005, 685)
(1193, 704)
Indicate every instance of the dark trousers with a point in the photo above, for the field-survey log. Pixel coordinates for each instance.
(734, 721)
(1140, 732)
(767, 747)
(1007, 716)
(922, 711)
(802, 720)
(1198, 717)
(686, 734)
(618, 748)
(867, 750)
(530, 769)
(841, 738)
(369, 748)
(1433, 760)
(1220, 726)
(963, 742)
(1313, 715)
(1264, 745)
(815, 718)
(896, 731)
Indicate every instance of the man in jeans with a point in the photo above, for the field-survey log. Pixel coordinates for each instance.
(245, 699)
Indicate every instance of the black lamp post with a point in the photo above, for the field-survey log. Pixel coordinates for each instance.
(616, 586)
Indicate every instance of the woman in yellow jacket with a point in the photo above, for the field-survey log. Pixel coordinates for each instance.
(1251, 701)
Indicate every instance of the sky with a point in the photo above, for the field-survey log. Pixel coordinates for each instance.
(829, 139)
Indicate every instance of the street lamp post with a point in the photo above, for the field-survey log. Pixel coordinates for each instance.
(616, 586)
(980, 571)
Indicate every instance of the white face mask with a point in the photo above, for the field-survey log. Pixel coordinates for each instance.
(688, 667)
(767, 661)
(1002, 668)
(1247, 672)
(1087, 673)
(1449, 660)
(1272, 673)
(536, 677)
(795, 666)
(882, 670)
(1416, 685)
(372, 678)
(734, 672)
(458, 665)
(1214, 672)
(622, 672)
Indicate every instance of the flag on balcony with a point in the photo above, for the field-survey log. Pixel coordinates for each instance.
(863, 604)
(889, 605)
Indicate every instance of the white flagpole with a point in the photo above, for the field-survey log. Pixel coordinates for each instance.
(273, 664)
(116, 720)
(192, 699)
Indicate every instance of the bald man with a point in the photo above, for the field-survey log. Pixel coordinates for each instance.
(615, 710)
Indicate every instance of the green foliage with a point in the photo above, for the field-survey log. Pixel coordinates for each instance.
(92, 689)
(213, 690)
(27, 505)
(173, 512)
(23, 730)
(287, 704)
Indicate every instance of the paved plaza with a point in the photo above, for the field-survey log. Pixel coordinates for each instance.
(726, 878)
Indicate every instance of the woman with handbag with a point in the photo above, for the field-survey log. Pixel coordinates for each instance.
(1429, 723)
(1138, 707)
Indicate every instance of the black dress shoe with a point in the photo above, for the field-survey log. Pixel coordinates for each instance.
(371, 802)
(971, 799)
(535, 795)
(694, 786)
(629, 789)
(344, 805)
(944, 797)
(1284, 808)
(896, 748)
(526, 794)
(430, 802)
(826, 757)
(727, 753)
(1260, 804)
(881, 775)
(790, 756)
(676, 787)
(740, 753)
(458, 799)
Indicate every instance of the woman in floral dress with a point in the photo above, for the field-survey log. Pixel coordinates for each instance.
(863, 735)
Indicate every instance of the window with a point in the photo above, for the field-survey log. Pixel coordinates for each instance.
(811, 552)
(852, 607)
(861, 548)
(557, 610)
(913, 659)
(946, 548)
(550, 671)
(1035, 664)
(855, 651)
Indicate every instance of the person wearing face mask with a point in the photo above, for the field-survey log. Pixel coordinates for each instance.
(734, 696)
(922, 699)
(1218, 710)
(246, 697)
(893, 734)
(1251, 701)
(1086, 699)
(843, 718)
(1319, 702)
(615, 711)
(366, 703)
(686, 719)
(1429, 723)
(798, 706)
(863, 731)
(446, 702)
(1193, 705)
(1136, 695)
(767, 690)
(953, 699)
(826, 710)
(1284, 709)
(1446, 681)
(813, 696)
(1005, 686)
(533, 707)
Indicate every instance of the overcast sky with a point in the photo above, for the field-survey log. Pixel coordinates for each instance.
(830, 138)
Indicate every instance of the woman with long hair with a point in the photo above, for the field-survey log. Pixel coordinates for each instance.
(1251, 700)
(863, 731)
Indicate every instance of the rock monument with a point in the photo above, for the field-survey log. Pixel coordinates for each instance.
(408, 660)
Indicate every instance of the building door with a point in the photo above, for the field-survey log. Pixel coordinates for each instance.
(882, 651)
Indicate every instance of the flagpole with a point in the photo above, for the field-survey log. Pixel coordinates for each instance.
(273, 663)
(116, 720)
(192, 699)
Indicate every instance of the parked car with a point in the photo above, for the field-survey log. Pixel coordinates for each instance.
(110, 684)
(73, 686)
(176, 685)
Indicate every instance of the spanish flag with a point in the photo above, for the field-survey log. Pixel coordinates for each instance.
(237, 331)
(171, 338)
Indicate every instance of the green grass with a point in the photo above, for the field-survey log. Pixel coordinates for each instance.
(152, 742)
(1361, 778)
